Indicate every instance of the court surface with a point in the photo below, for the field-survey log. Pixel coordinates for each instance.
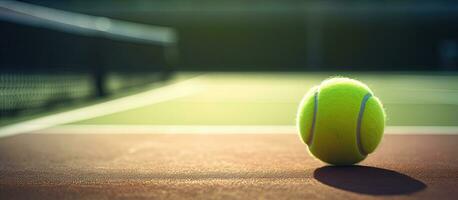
(232, 136)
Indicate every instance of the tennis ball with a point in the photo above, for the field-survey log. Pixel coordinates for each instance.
(341, 121)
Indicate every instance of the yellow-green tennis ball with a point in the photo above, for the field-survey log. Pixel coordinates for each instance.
(341, 121)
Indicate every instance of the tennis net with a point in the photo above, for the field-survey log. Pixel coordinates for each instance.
(50, 56)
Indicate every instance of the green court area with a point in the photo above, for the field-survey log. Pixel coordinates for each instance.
(273, 98)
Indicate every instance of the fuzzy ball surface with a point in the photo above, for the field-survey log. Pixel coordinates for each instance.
(341, 121)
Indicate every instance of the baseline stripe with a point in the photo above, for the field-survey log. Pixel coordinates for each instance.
(224, 129)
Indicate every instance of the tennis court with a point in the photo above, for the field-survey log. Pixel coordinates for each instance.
(224, 135)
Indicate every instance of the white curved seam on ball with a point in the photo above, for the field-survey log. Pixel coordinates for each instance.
(359, 122)
(312, 128)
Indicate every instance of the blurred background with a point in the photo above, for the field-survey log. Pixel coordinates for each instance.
(295, 34)
(251, 59)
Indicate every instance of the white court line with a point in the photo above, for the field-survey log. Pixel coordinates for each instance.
(221, 129)
(167, 129)
(153, 96)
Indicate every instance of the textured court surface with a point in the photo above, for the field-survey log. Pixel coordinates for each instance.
(54, 166)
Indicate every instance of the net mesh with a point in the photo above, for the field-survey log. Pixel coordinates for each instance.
(21, 91)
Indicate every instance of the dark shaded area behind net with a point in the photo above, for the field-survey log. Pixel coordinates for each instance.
(51, 57)
(298, 35)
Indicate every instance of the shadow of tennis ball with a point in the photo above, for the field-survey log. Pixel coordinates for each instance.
(368, 180)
